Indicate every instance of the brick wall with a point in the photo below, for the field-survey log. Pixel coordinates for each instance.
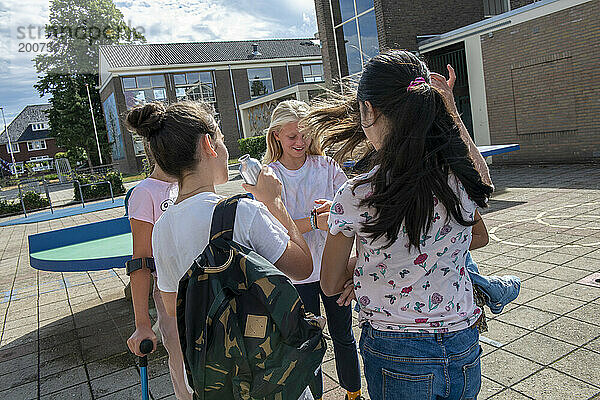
(519, 3)
(542, 86)
(227, 111)
(280, 77)
(24, 155)
(399, 23)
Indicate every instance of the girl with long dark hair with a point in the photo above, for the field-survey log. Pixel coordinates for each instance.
(413, 217)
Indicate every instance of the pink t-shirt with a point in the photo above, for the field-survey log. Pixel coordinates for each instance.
(150, 198)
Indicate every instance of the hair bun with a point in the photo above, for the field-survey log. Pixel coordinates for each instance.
(146, 120)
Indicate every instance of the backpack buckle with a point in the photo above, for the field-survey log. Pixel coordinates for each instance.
(200, 263)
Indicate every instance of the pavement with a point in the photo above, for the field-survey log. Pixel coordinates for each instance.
(63, 334)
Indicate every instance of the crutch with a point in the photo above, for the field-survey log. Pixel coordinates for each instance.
(145, 348)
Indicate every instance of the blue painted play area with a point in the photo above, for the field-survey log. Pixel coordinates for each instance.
(64, 212)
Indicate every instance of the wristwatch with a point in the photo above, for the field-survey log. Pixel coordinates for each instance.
(139, 263)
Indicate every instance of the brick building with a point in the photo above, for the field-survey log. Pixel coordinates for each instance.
(31, 141)
(526, 70)
(225, 74)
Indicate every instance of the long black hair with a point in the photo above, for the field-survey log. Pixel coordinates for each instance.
(421, 147)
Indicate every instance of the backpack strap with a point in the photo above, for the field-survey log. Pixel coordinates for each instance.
(224, 217)
(221, 229)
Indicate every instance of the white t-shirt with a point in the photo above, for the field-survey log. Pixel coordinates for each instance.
(181, 234)
(410, 290)
(150, 198)
(318, 178)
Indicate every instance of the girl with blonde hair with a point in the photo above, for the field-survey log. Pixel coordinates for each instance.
(309, 182)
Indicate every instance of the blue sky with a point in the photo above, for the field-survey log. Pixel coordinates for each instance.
(162, 21)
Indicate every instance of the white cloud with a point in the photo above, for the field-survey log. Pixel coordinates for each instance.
(163, 21)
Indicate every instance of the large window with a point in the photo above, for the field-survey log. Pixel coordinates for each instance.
(312, 72)
(355, 22)
(144, 89)
(195, 86)
(14, 149)
(36, 145)
(260, 81)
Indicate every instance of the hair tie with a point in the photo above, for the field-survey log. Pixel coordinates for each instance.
(416, 83)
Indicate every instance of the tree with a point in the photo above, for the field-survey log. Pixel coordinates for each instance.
(76, 30)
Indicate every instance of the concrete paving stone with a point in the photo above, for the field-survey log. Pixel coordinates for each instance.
(509, 394)
(589, 313)
(62, 380)
(16, 337)
(329, 368)
(567, 274)
(157, 366)
(161, 386)
(24, 361)
(110, 365)
(583, 364)
(57, 340)
(116, 381)
(504, 261)
(594, 345)
(539, 348)
(579, 292)
(571, 331)
(60, 327)
(527, 317)
(523, 276)
(504, 333)
(329, 383)
(543, 283)
(28, 391)
(168, 397)
(585, 263)
(25, 324)
(555, 304)
(59, 364)
(550, 384)
(64, 349)
(104, 350)
(131, 392)
(12, 352)
(488, 388)
(78, 392)
(91, 317)
(532, 267)
(593, 254)
(507, 368)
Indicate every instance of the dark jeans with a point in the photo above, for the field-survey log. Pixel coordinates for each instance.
(339, 321)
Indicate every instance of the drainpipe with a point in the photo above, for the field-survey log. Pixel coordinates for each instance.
(237, 111)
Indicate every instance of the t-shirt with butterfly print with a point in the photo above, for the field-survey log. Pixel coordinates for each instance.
(410, 290)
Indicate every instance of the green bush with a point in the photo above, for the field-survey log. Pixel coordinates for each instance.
(99, 191)
(32, 200)
(255, 146)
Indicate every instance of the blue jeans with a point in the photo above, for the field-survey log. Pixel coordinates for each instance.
(339, 321)
(421, 366)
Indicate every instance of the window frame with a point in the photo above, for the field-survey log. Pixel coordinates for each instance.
(13, 144)
(31, 145)
(250, 81)
(312, 74)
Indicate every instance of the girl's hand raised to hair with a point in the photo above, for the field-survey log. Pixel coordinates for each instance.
(445, 87)
(268, 187)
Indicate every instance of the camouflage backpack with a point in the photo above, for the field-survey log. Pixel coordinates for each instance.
(242, 327)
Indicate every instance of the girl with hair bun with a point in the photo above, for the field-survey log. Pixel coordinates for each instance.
(413, 216)
(148, 200)
(187, 144)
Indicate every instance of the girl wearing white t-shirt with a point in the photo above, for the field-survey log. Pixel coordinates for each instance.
(147, 202)
(412, 216)
(310, 180)
(187, 143)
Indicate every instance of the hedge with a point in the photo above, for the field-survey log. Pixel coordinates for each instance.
(32, 200)
(255, 146)
(99, 191)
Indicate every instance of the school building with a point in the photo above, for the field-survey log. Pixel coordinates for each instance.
(230, 75)
(528, 71)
